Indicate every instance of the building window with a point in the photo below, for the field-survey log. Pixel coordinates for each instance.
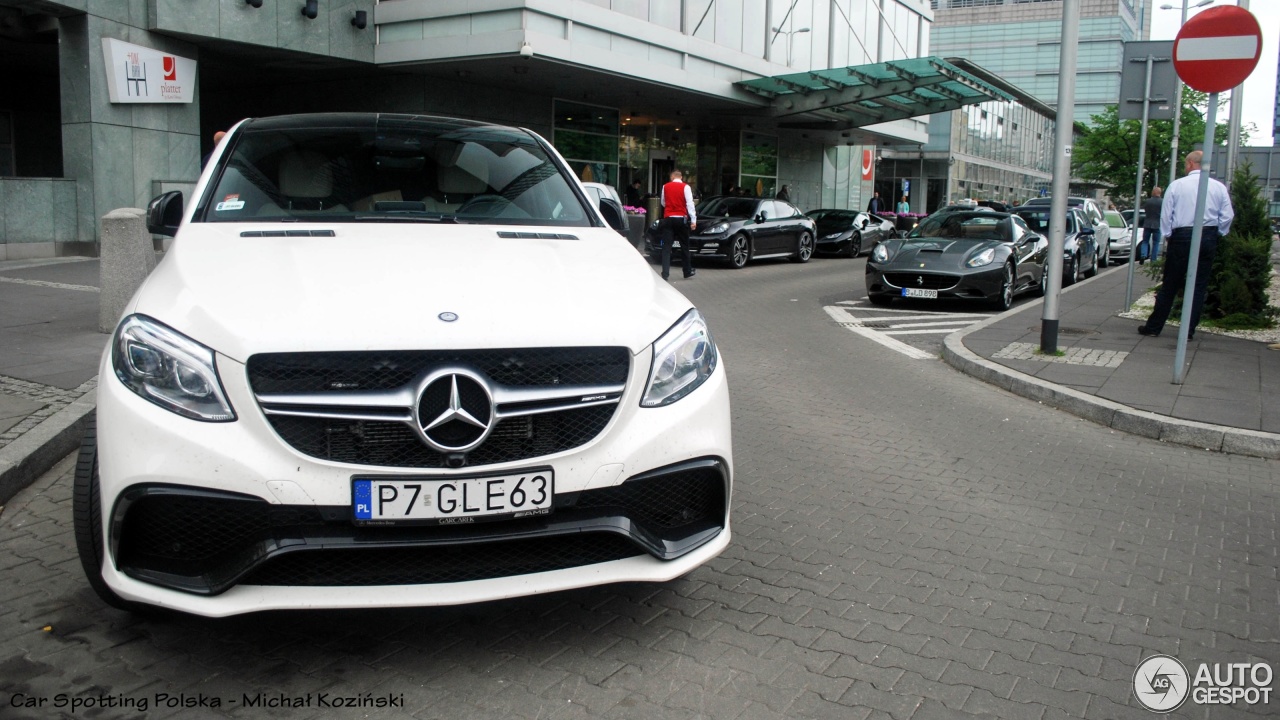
(6, 144)
(587, 137)
(759, 164)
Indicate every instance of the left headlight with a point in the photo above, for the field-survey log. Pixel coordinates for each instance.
(986, 257)
(718, 228)
(880, 253)
(169, 369)
(683, 358)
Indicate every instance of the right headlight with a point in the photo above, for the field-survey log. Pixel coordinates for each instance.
(169, 369)
(683, 358)
(880, 254)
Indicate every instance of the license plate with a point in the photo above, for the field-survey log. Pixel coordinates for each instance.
(451, 500)
(920, 293)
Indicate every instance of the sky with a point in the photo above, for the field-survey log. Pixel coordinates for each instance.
(1260, 89)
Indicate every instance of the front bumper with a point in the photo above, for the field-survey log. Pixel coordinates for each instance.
(220, 519)
(972, 284)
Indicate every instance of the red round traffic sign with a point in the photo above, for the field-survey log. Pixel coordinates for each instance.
(1217, 49)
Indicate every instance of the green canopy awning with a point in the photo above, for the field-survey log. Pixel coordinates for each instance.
(874, 93)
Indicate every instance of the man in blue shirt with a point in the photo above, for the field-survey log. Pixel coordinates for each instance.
(1177, 214)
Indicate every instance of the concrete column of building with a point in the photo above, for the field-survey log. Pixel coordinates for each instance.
(116, 153)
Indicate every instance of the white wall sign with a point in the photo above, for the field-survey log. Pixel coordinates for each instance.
(137, 74)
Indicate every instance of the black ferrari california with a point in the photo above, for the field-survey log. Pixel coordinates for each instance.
(967, 255)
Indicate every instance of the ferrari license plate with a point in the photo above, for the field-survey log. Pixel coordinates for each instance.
(451, 500)
(920, 293)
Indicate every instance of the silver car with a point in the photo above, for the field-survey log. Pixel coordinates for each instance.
(1121, 234)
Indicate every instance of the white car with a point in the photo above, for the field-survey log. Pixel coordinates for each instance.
(391, 361)
(1121, 235)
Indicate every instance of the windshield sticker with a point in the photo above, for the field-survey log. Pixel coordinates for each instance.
(230, 202)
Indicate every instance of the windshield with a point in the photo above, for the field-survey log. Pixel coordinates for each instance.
(1038, 221)
(966, 225)
(1115, 219)
(399, 169)
(830, 221)
(728, 207)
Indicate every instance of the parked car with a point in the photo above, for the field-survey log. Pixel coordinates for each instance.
(742, 229)
(397, 360)
(848, 232)
(1079, 246)
(1093, 213)
(1121, 235)
(978, 255)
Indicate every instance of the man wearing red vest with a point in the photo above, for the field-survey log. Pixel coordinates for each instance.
(678, 218)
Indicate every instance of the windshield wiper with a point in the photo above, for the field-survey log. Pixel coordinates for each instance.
(407, 215)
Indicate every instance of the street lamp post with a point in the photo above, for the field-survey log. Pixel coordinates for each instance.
(1177, 95)
(789, 33)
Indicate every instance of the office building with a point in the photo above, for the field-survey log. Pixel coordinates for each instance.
(106, 103)
(1020, 40)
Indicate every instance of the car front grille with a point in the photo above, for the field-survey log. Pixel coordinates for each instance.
(329, 427)
(924, 281)
(393, 444)
(345, 371)
(206, 542)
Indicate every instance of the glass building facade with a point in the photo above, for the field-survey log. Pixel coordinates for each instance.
(1020, 40)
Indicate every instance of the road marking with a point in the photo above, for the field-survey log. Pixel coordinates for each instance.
(840, 316)
(944, 323)
(933, 331)
(46, 283)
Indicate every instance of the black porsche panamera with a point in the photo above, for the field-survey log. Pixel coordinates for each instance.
(742, 229)
(968, 255)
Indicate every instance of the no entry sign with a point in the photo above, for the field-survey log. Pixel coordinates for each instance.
(1217, 49)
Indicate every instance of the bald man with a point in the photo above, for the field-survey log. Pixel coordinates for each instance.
(1177, 214)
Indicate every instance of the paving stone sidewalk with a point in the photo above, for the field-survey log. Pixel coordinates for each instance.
(1229, 383)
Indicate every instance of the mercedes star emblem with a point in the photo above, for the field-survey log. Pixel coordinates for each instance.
(455, 411)
(448, 316)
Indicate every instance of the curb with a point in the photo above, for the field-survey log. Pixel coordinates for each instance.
(37, 450)
(1108, 413)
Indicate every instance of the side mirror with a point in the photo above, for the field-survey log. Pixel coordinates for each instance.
(1086, 231)
(762, 216)
(164, 214)
(613, 214)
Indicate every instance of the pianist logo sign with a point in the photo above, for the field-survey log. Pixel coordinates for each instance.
(137, 74)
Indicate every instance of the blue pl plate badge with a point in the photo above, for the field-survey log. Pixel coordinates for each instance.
(363, 500)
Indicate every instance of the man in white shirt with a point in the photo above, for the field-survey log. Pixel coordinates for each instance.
(1177, 215)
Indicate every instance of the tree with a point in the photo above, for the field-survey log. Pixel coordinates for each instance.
(1237, 293)
(1107, 152)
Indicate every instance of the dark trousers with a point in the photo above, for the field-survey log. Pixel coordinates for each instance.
(1177, 257)
(1152, 236)
(669, 230)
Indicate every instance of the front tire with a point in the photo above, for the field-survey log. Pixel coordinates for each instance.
(1093, 268)
(1073, 272)
(1004, 300)
(880, 300)
(739, 252)
(804, 248)
(855, 246)
(87, 518)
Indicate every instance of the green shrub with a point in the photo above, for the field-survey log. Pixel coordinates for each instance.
(1242, 266)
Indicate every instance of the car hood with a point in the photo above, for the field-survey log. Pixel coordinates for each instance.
(384, 286)
(938, 253)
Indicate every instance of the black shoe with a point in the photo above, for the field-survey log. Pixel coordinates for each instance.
(690, 274)
(1144, 330)
(664, 276)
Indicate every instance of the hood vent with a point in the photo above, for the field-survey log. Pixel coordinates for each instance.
(287, 233)
(535, 235)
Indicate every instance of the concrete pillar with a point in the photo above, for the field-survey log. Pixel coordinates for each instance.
(127, 257)
(114, 152)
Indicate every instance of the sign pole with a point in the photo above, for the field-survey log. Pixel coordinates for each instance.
(1061, 173)
(1197, 230)
(1137, 191)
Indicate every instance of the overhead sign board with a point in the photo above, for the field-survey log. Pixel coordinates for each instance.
(137, 74)
(1217, 49)
(1133, 78)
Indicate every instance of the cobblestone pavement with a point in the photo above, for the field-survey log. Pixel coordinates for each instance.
(909, 543)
